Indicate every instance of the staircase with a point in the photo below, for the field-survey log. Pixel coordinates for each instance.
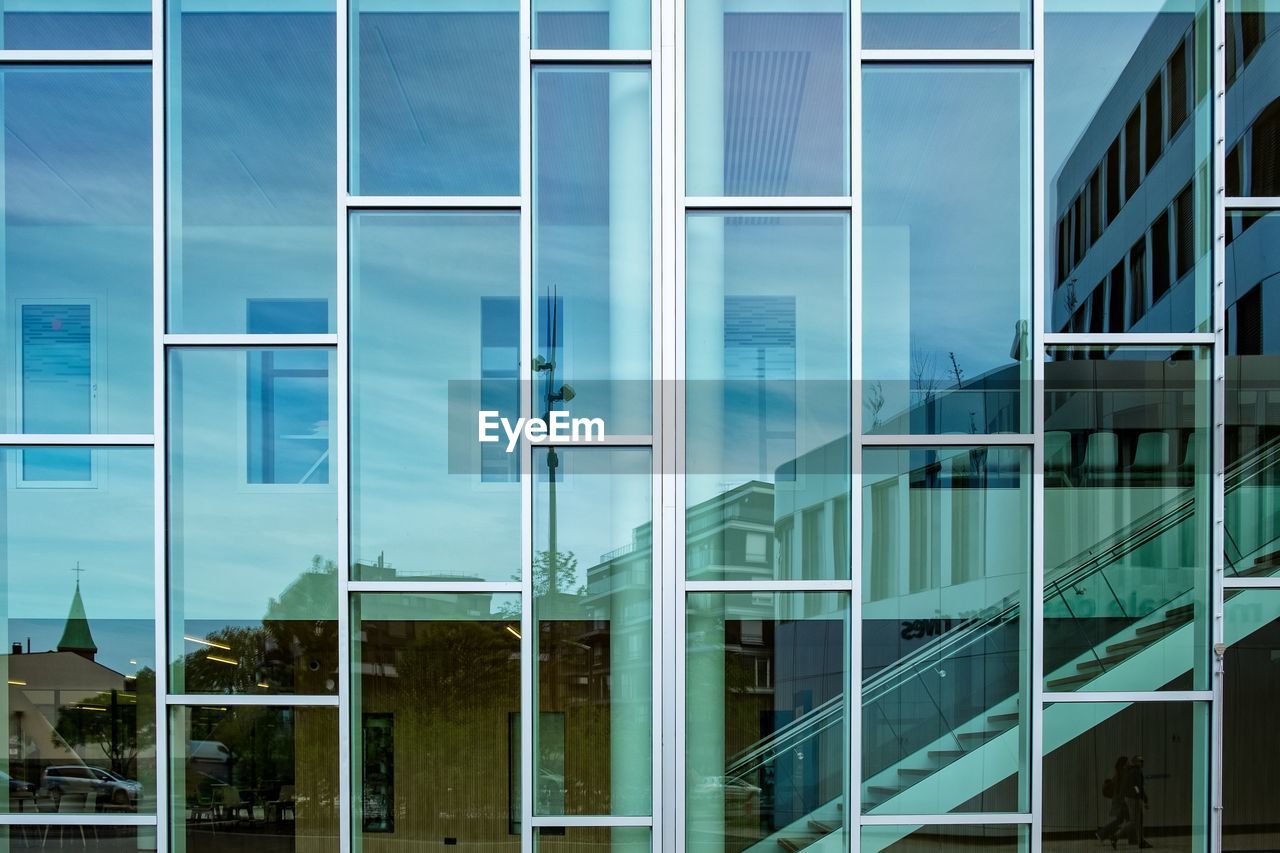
(979, 752)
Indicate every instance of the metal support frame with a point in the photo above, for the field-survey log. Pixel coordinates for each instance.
(666, 62)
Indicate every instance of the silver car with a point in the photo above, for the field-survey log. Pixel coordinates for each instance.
(98, 784)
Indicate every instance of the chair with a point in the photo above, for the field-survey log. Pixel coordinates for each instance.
(1101, 459)
(285, 801)
(1151, 458)
(231, 803)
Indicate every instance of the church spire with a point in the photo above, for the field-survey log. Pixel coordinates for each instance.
(76, 636)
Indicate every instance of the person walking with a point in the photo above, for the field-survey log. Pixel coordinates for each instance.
(1112, 789)
(1135, 795)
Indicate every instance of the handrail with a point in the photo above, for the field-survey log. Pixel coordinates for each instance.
(1086, 563)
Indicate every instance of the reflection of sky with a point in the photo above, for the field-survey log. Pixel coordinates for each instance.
(419, 284)
(1084, 55)
(948, 147)
(106, 528)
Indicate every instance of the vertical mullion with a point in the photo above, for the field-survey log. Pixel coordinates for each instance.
(1038, 314)
(659, 612)
(1218, 485)
(676, 448)
(853, 807)
(159, 421)
(527, 625)
(342, 14)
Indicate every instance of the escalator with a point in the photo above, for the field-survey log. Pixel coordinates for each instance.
(946, 768)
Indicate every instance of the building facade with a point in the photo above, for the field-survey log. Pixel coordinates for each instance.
(935, 346)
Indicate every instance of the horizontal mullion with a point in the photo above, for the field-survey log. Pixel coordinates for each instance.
(411, 586)
(813, 202)
(69, 819)
(589, 820)
(966, 56)
(76, 440)
(1167, 339)
(954, 819)
(606, 441)
(1231, 582)
(1253, 203)
(769, 586)
(76, 57)
(252, 700)
(1113, 696)
(950, 439)
(186, 340)
(433, 202)
(629, 57)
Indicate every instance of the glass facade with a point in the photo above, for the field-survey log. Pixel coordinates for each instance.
(723, 426)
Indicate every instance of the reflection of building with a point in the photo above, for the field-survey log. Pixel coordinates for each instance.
(1127, 201)
(65, 708)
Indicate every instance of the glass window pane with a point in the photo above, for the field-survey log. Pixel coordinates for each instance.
(458, 276)
(252, 521)
(1253, 98)
(1253, 394)
(945, 642)
(108, 839)
(252, 145)
(946, 24)
(767, 401)
(997, 838)
(435, 98)
(77, 249)
(78, 607)
(592, 839)
(593, 603)
(767, 98)
(591, 24)
(64, 25)
(1126, 550)
(767, 751)
(265, 777)
(435, 730)
(1127, 151)
(1151, 757)
(592, 245)
(946, 211)
(1251, 745)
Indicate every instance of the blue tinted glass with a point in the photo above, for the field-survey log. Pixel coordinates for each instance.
(943, 24)
(77, 623)
(435, 328)
(767, 401)
(1253, 98)
(946, 258)
(252, 521)
(77, 248)
(767, 105)
(592, 243)
(1128, 132)
(252, 146)
(591, 24)
(435, 99)
(60, 25)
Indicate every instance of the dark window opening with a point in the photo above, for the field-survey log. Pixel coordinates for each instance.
(1185, 228)
(1155, 123)
(1132, 153)
(1160, 265)
(1179, 107)
(1095, 204)
(1138, 280)
(1115, 299)
(1113, 180)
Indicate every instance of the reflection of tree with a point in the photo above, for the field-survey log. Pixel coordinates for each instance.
(555, 574)
(117, 721)
(284, 651)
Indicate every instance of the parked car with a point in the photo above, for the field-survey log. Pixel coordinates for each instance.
(19, 789)
(98, 784)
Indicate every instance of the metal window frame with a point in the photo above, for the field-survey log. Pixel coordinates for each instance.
(671, 206)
